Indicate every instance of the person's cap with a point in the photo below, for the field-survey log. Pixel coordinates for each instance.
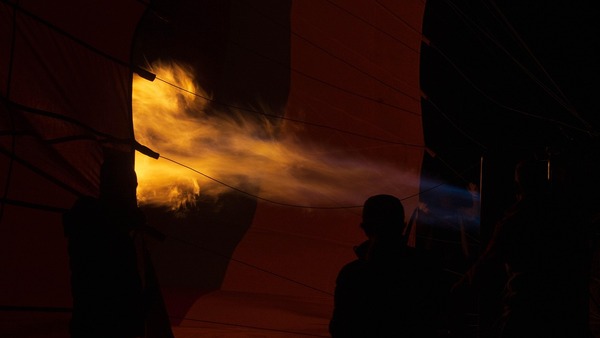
(382, 212)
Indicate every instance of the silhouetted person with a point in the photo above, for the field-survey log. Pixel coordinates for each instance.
(539, 243)
(391, 289)
(105, 282)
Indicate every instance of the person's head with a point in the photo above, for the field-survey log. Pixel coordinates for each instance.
(531, 176)
(382, 215)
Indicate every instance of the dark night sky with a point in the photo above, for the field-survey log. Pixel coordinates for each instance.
(507, 80)
(487, 81)
(491, 66)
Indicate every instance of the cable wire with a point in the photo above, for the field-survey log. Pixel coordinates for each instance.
(290, 119)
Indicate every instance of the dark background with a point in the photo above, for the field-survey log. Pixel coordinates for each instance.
(503, 81)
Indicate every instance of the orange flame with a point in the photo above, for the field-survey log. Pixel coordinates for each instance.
(172, 116)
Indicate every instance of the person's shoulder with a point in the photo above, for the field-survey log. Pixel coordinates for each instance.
(352, 270)
(355, 265)
(423, 257)
(84, 210)
(84, 203)
(422, 252)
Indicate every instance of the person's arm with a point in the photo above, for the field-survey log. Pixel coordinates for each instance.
(489, 261)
